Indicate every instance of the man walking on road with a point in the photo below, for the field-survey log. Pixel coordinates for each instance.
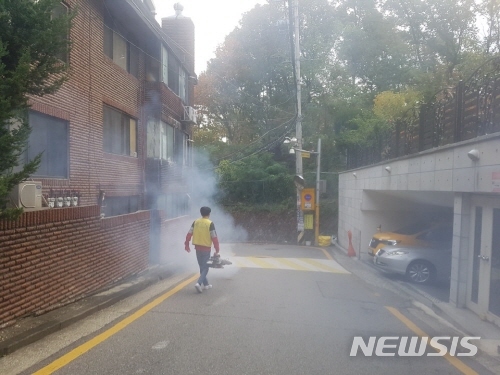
(203, 233)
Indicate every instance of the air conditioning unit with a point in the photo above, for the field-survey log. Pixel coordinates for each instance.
(190, 115)
(27, 195)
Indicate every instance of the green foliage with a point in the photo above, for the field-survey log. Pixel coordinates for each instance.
(257, 179)
(367, 130)
(365, 66)
(32, 39)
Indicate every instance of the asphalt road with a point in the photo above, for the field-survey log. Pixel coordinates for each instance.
(276, 310)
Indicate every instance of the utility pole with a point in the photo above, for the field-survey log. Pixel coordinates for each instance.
(298, 126)
(318, 183)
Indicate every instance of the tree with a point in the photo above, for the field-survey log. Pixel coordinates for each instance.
(490, 10)
(256, 180)
(248, 90)
(397, 52)
(372, 48)
(33, 43)
(441, 32)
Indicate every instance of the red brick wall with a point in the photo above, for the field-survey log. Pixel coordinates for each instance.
(52, 257)
(94, 80)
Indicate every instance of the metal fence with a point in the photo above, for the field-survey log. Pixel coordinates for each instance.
(469, 110)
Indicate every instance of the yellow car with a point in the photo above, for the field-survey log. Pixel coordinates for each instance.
(423, 234)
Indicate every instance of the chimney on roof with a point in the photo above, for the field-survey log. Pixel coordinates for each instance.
(178, 7)
(180, 29)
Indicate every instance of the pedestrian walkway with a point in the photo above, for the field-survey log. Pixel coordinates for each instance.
(296, 264)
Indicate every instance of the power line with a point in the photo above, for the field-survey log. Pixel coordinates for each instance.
(265, 147)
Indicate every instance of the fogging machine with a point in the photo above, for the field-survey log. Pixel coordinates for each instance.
(216, 262)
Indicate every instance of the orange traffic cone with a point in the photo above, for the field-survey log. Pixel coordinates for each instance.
(350, 249)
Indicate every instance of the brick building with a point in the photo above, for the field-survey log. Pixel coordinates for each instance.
(118, 129)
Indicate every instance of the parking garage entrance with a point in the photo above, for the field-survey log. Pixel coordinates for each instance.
(393, 211)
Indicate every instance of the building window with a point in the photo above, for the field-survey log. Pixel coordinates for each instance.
(152, 69)
(119, 132)
(49, 136)
(164, 65)
(173, 74)
(170, 142)
(114, 206)
(119, 49)
(182, 85)
(62, 10)
(180, 147)
(160, 140)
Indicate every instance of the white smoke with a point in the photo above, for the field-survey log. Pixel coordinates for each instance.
(202, 191)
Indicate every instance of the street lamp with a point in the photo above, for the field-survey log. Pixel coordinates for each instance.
(300, 184)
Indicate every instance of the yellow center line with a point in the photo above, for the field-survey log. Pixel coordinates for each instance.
(82, 349)
(458, 364)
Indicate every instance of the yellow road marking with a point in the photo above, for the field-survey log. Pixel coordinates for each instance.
(317, 264)
(454, 361)
(260, 262)
(327, 254)
(82, 349)
(291, 264)
(298, 264)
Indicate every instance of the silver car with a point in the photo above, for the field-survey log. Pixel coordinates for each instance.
(419, 264)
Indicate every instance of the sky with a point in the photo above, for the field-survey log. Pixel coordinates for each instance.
(213, 21)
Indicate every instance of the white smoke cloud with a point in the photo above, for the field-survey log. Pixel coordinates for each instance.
(202, 191)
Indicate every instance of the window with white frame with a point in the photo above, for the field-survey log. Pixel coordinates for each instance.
(153, 139)
(119, 132)
(160, 140)
(164, 64)
(49, 136)
(182, 85)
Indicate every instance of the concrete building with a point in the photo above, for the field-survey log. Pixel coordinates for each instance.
(454, 172)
